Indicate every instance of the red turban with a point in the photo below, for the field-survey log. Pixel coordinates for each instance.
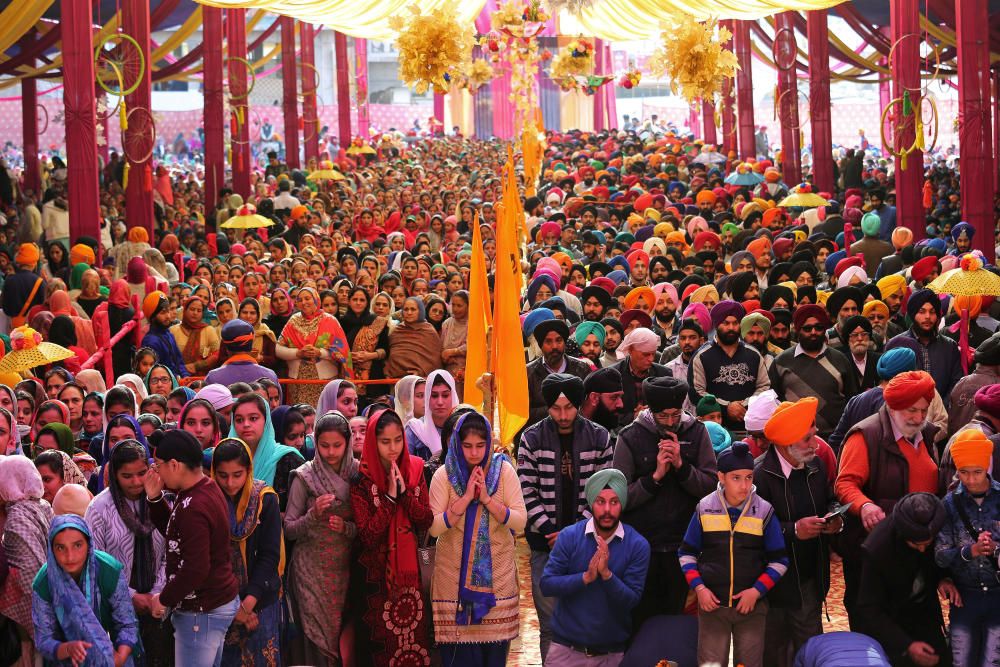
(810, 310)
(907, 388)
(923, 268)
(710, 238)
(848, 262)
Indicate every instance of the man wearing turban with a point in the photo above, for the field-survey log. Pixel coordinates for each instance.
(602, 401)
(25, 289)
(885, 456)
(727, 368)
(593, 619)
(636, 354)
(589, 339)
(551, 336)
(556, 456)
(985, 419)
(941, 356)
(893, 291)
(789, 467)
(666, 455)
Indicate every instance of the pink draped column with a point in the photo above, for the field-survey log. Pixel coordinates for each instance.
(884, 92)
(239, 104)
(744, 89)
(599, 96)
(728, 113)
(610, 98)
(80, 113)
(819, 100)
(974, 134)
(139, 192)
(289, 92)
(343, 90)
(214, 119)
(904, 17)
(361, 83)
(104, 152)
(307, 54)
(996, 123)
(29, 129)
(694, 121)
(708, 123)
(439, 109)
(788, 113)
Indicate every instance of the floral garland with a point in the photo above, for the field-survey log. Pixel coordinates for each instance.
(432, 48)
(24, 338)
(692, 56)
(476, 74)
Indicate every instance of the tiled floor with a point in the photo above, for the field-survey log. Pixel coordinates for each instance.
(524, 651)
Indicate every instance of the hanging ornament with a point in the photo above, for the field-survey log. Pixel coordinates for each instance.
(693, 57)
(432, 48)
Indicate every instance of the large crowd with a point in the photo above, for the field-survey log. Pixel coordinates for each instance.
(725, 396)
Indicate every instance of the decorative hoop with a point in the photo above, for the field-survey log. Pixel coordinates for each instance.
(44, 112)
(251, 79)
(798, 94)
(309, 132)
(124, 58)
(924, 39)
(781, 45)
(304, 71)
(111, 111)
(139, 140)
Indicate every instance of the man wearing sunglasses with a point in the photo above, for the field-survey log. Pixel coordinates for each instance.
(811, 368)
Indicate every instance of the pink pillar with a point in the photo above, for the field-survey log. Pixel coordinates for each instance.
(819, 100)
(80, 114)
(438, 110)
(708, 122)
(728, 101)
(236, 27)
(904, 16)
(788, 113)
(361, 84)
(214, 120)
(139, 192)
(307, 54)
(884, 93)
(344, 89)
(744, 89)
(996, 123)
(599, 106)
(610, 99)
(289, 92)
(694, 121)
(29, 125)
(975, 143)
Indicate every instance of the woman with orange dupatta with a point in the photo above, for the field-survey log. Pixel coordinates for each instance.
(391, 507)
(198, 342)
(314, 346)
(60, 304)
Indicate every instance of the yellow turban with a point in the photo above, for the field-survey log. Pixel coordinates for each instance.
(891, 284)
(702, 294)
(661, 230)
(651, 214)
(872, 306)
(791, 421)
(971, 449)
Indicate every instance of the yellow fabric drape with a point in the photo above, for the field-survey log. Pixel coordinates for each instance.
(177, 38)
(459, 111)
(18, 18)
(576, 110)
(370, 21)
(480, 319)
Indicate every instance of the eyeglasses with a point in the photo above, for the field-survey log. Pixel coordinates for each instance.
(808, 328)
(863, 335)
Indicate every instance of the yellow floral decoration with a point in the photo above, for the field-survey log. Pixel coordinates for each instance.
(476, 74)
(693, 57)
(432, 48)
(576, 59)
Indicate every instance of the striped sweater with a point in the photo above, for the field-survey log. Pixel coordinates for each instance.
(538, 468)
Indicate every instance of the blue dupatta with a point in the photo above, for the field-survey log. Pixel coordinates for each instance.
(475, 583)
(269, 451)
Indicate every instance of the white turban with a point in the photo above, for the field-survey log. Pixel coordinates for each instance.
(641, 339)
(759, 410)
(849, 273)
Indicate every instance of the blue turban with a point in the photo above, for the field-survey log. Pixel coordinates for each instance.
(896, 361)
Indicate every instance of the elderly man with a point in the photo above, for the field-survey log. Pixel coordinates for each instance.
(795, 481)
(858, 346)
(877, 314)
(637, 352)
(551, 337)
(727, 368)
(666, 455)
(25, 289)
(596, 571)
(941, 356)
(556, 457)
(961, 405)
(812, 368)
(602, 403)
(885, 456)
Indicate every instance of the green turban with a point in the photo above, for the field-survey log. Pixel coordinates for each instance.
(870, 224)
(608, 478)
(584, 329)
(755, 318)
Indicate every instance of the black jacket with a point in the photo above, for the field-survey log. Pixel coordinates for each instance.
(631, 396)
(537, 372)
(772, 486)
(661, 512)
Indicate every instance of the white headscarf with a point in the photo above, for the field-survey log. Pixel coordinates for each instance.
(139, 390)
(328, 398)
(424, 427)
(641, 339)
(404, 396)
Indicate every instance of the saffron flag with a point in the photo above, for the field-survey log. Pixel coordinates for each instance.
(480, 318)
(509, 366)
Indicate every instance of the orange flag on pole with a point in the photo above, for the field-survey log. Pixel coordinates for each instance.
(480, 318)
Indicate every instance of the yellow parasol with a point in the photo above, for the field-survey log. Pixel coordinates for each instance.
(802, 196)
(246, 218)
(360, 150)
(29, 351)
(969, 279)
(325, 175)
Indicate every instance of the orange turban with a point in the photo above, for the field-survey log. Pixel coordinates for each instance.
(564, 260)
(907, 388)
(772, 216)
(758, 247)
(974, 304)
(644, 293)
(677, 237)
(27, 255)
(971, 449)
(81, 254)
(705, 197)
(138, 235)
(791, 421)
(901, 237)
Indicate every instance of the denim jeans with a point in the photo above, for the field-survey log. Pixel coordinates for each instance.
(975, 628)
(199, 636)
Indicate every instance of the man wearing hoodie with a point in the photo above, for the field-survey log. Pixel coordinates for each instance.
(666, 455)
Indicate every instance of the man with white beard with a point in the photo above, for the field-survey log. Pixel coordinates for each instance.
(859, 348)
(885, 457)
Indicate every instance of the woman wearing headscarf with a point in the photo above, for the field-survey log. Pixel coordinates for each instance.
(120, 427)
(423, 434)
(314, 347)
(160, 380)
(454, 338)
(368, 336)
(258, 557)
(415, 346)
(264, 340)
(272, 461)
(10, 438)
(390, 507)
(320, 521)
(199, 343)
(120, 525)
(25, 539)
(63, 333)
(135, 384)
(78, 603)
(137, 242)
(90, 295)
(91, 380)
(59, 304)
(478, 507)
(406, 402)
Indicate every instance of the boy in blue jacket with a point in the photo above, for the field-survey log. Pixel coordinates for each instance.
(732, 555)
